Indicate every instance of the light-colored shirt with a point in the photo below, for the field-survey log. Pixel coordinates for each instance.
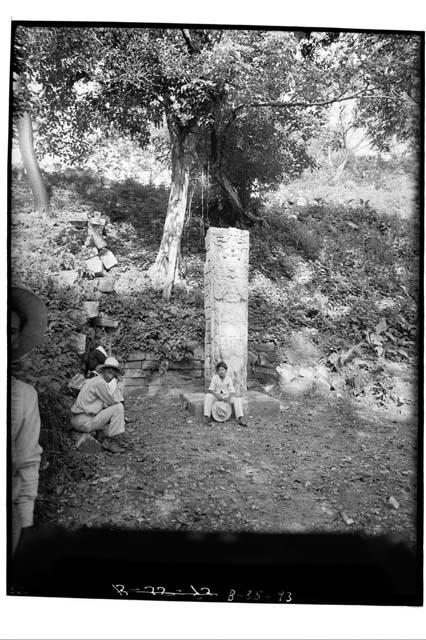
(222, 387)
(26, 453)
(96, 395)
(112, 384)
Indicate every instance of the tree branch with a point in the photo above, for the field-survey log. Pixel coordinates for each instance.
(254, 218)
(288, 105)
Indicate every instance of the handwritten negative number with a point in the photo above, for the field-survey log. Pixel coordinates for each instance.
(285, 596)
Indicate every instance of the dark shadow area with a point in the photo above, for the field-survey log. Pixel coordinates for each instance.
(62, 464)
(287, 569)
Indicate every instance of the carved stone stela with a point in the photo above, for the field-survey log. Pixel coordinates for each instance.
(226, 303)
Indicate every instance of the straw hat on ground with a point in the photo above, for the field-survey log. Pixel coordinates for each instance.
(221, 411)
(33, 315)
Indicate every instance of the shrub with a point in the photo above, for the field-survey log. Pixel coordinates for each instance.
(282, 239)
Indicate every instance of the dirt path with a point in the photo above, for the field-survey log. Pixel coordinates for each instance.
(320, 466)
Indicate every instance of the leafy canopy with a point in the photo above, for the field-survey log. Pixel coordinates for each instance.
(254, 90)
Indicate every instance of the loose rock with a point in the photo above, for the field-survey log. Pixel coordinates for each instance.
(91, 308)
(94, 265)
(393, 503)
(346, 519)
(106, 285)
(87, 443)
(108, 259)
(76, 218)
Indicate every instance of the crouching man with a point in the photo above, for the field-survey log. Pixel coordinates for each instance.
(222, 389)
(100, 411)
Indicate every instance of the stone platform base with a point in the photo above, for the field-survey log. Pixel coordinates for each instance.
(254, 404)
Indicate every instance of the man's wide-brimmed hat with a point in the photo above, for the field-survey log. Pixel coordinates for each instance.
(221, 410)
(110, 363)
(33, 314)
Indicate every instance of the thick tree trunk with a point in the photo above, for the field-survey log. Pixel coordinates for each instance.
(238, 210)
(230, 192)
(26, 145)
(163, 271)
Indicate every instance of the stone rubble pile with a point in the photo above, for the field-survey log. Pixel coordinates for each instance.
(142, 369)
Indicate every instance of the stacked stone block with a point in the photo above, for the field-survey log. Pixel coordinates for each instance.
(142, 375)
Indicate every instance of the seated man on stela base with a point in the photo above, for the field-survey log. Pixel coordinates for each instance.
(222, 389)
(98, 410)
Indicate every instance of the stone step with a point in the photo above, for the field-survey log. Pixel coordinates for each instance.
(254, 404)
(133, 364)
(135, 373)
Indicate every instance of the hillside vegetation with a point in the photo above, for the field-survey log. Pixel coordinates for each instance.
(344, 270)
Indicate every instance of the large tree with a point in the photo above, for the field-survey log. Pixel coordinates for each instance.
(23, 129)
(216, 90)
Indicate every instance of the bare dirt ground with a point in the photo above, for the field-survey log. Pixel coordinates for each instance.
(322, 465)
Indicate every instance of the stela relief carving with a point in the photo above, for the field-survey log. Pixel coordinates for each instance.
(226, 303)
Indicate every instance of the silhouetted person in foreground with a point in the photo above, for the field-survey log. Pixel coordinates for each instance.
(28, 324)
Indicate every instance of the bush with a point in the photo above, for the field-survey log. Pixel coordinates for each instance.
(148, 323)
(282, 241)
(306, 242)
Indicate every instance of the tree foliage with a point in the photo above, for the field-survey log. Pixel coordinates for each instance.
(91, 80)
(241, 103)
(393, 72)
(383, 71)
